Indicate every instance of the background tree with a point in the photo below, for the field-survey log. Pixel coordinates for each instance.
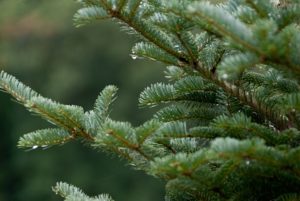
(230, 127)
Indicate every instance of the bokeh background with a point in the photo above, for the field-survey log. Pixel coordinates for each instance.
(41, 47)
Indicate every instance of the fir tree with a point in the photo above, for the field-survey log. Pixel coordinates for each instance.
(230, 126)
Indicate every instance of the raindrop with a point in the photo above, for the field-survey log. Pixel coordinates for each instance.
(35, 147)
(177, 47)
(225, 76)
(133, 56)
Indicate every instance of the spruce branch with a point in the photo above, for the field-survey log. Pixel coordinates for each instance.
(150, 35)
(146, 131)
(123, 134)
(104, 101)
(223, 22)
(232, 89)
(72, 193)
(134, 5)
(14, 87)
(278, 120)
(144, 29)
(141, 27)
(225, 159)
(74, 123)
(45, 138)
(68, 117)
(89, 14)
(206, 150)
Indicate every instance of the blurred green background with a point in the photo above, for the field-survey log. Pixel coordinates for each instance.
(41, 47)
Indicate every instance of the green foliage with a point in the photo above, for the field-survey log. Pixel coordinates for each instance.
(44, 138)
(89, 14)
(18, 90)
(72, 193)
(230, 130)
(103, 102)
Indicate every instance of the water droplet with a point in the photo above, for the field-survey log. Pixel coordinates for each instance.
(225, 76)
(247, 162)
(133, 56)
(35, 147)
(177, 47)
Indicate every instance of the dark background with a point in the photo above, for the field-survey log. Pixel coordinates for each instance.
(40, 46)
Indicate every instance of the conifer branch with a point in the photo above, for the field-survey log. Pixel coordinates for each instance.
(190, 52)
(72, 193)
(45, 138)
(134, 9)
(222, 55)
(229, 88)
(208, 12)
(140, 28)
(19, 91)
(57, 114)
(278, 120)
(131, 146)
(146, 131)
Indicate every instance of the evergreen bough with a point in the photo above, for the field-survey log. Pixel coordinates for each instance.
(230, 126)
